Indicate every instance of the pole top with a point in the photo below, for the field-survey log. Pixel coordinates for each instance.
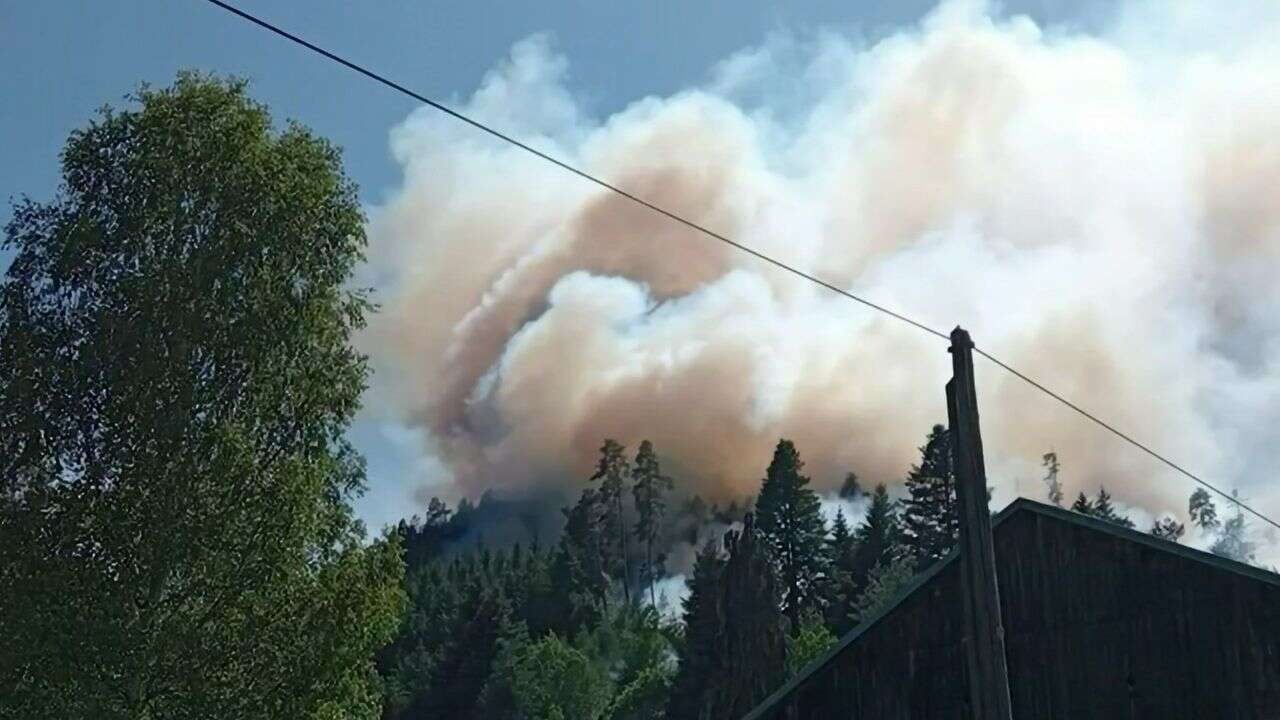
(960, 340)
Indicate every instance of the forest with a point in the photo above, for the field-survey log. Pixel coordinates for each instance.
(177, 379)
(577, 629)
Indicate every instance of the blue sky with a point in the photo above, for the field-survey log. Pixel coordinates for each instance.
(64, 59)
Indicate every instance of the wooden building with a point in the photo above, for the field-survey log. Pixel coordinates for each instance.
(1100, 622)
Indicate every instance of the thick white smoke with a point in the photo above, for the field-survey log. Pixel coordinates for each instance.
(1101, 211)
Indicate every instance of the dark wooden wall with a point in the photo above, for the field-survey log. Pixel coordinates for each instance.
(1098, 625)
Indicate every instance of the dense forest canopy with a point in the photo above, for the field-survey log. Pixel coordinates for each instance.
(176, 382)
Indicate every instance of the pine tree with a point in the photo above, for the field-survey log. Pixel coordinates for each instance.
(791, 527)
(698, 657)
(753, 644)
(851, 488)
(611, 472)
(1104, 509)
(931, 522)
(463, 672)
(578, 570)
(840, 544)
(877, 539)
(1083, 505)
(839, 588)
(649, 488)
(1051, 468)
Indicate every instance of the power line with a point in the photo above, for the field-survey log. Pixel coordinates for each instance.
(717, 236)
(1123, 436)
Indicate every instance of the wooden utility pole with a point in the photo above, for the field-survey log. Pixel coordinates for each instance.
(984, 641)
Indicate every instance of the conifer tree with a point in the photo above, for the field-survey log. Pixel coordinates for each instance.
(698, 656)
(753, 644)
(851, 488)
(839, 587)
(1083, 504)
(611, 473)
(578, 570)
(1104, 509)
(463, 672)
(649, 489)
(840, 545)
(931, 522)
(877, 539)
(791, 527)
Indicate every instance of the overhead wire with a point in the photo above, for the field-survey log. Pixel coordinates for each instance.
(726, 240)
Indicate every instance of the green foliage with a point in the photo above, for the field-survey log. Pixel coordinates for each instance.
(877, 539)
(792, 529)
(176, 379)
(466, 658)
(807, 643)
(753, 646)
(470, 615)
(649, 490)
(633, 645)
(620, 670)
(579, 569)
(627, 641)
(644, 698)
(734, 648)
(700, 656)
(837, 587)
(930, 519)
(552, 680)
(462, 613)
(611, 472)
(886, 583)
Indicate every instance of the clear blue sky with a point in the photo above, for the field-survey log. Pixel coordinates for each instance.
(62, 59)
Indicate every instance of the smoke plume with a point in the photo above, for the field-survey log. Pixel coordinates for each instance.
(1099, 210)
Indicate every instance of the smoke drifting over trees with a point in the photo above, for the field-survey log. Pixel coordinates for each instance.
(1097, 209)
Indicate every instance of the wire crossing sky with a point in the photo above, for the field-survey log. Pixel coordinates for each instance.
(739, 246)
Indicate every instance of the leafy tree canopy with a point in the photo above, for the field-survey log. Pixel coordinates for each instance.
(176, 379)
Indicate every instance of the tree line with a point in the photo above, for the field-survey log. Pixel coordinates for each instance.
(765, 597)
(1229, 538)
